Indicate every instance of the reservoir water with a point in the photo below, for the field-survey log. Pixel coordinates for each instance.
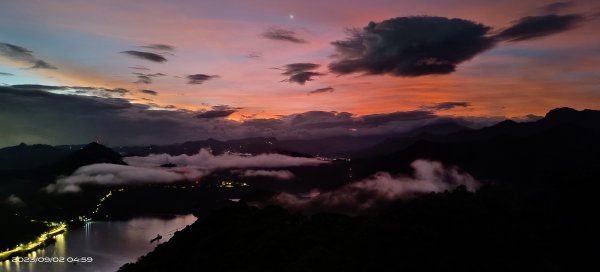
(110, 245)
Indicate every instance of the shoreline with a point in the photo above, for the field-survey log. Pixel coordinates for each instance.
(42, 240)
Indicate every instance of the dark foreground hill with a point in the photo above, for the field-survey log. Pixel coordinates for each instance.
(535, 212)
(492, 230)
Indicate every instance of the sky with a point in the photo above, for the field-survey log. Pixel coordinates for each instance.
(139, 72)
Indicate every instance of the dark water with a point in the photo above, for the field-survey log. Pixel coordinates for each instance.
(110, 244)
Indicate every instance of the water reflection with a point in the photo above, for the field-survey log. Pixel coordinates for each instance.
(110, 244)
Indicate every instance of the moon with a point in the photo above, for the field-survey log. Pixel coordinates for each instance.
(292, 16)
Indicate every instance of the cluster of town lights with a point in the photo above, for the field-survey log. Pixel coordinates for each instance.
(58, 228)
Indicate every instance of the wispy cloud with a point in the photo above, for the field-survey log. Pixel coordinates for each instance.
(381, 189)
(557, 7)
(112, 174)
(22, 54)
(220, 111)
(254, 55)
(14, 200)
(322, 90)
(205, 160)
(532, 27)
(281, 34)
(188, 167)
(300, 72)
(200, 78)
(144, 78)
(150, 92)
(446, 106)
(276, 174)
(142, 68)
(145, 55)
(159, 47)
(87, 90)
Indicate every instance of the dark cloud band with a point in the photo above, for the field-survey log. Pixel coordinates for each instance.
(532, 27)
(145, 55)
(150, 92)
(221, 111)
(322, 90)
(200, 78)
(447, 106)
(410, 46)
(160, 47)
(280, 34)
(300, 72)
(22, 54)
(425, 45)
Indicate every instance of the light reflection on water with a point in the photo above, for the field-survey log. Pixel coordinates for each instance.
(110, 244)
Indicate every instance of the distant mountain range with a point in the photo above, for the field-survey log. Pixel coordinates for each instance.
(24, 156)
(506, 142)
(46, 158)
(564, 145)
(330, 146)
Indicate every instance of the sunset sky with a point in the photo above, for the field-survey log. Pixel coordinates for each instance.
(240, 63)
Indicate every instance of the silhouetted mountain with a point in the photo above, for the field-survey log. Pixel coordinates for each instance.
(562, 146)
(332, 146)
(89, 154)
(24, 156)
(438, 129)
(329, 146)
(248, 145)
(353, 145)
(391, 145)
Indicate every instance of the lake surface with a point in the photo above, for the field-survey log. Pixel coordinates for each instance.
(110, 244)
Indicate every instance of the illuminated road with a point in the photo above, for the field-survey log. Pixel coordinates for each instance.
(59, 228)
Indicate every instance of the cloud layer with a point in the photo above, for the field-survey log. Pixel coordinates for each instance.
(106, 115)
(277, 174)
(205, 160)
(426, 45)
(381, 189)
(112, 174)
(143, 170)
(411, 46)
